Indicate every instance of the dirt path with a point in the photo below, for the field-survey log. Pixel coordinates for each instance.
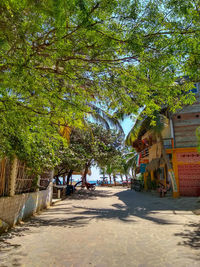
(110, 227)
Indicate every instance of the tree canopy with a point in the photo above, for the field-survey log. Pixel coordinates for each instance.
(59, 56)
(94, 145)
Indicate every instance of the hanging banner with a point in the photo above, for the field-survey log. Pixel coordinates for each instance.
(138, 160)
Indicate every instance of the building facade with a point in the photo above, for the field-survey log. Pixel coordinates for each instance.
(179, 140)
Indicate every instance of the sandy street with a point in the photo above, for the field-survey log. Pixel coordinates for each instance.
(105, 228)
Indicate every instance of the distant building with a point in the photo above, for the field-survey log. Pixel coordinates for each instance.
(180, 143)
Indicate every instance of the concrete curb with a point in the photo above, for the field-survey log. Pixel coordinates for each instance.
(54, 201)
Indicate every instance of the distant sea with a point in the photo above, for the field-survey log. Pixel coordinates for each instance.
(88, 180)
(95, 182)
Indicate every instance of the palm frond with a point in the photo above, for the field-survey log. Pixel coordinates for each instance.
(145, 123)
(131, 162)
(134, 132)
(99, 119)
(106, 119)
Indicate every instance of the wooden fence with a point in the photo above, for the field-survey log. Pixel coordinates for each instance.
(25, 181)
(45, 179)
(5, 167)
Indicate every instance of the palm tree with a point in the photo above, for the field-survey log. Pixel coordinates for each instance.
(124, 169)
(131, 161)
(105, 119)
(109, 171)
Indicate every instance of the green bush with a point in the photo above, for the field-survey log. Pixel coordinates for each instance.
(141, 177)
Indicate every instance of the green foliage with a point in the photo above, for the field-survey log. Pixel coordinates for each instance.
(58, 57)
(30, 138)
(93, 145)
(34, 184)
(140, 177)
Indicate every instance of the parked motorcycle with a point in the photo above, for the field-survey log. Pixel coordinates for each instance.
(137, 185)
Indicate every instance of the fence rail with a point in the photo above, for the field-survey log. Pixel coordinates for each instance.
(45, 179)
(26, 180)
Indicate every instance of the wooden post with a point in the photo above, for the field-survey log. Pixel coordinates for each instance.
(176, 193)
(145, 181)
(2, 176)
(50, 187)
(13, 177)
(58, 193)
(152, 176)
(172, 141)
(38, 183)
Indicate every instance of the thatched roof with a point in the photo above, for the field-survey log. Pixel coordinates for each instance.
(154, 164)
(144, 124)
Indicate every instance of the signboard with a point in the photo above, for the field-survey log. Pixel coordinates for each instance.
(143, 168)
(144, 161)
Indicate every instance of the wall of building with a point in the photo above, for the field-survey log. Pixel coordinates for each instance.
(185, 124)
(188, 171)
(16, 208)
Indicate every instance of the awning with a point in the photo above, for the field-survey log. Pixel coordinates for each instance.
(154, 164)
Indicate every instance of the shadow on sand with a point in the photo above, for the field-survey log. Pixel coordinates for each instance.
(137, 204)
(89, 194)
(71, 213)
(191, 238)
(51, 217)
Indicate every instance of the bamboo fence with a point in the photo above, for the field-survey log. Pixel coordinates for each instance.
(26, 179)
(5, 167)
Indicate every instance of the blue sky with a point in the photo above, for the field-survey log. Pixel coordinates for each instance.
(127, 124)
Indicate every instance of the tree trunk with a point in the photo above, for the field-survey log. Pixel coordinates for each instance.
(69, 176)
(168, 163)
(132, 173)
(110, 178)
(121, 176)
(64, 181)
(114, 179)
(85, 174)
(126, 178)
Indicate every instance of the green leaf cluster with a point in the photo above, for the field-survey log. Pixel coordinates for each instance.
(57, 57)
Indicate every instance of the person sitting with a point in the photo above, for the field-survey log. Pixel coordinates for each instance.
(162, 190)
